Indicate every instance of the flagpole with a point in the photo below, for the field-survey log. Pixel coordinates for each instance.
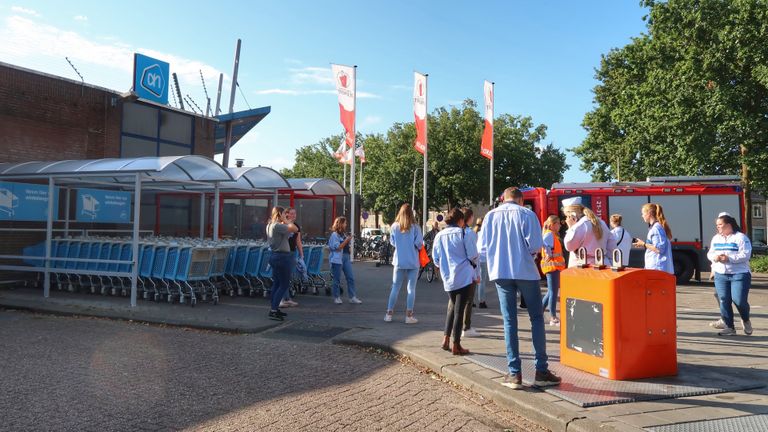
(490, 200)
(344, 162)
(424, 210)
(353, 215)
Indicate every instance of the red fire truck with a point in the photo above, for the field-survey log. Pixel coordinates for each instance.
(690, 205)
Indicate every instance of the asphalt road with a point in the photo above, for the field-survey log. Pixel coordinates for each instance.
(88, 374)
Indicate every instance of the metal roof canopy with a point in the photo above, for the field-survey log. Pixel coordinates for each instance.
(119, 173)
(169, 169)
(242, 123)
(317, 186)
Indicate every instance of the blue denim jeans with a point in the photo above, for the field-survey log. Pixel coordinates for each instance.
(398, 275)
(553, 288)
(336, 269)
(529, 290)
(282, 265)
(733, 288)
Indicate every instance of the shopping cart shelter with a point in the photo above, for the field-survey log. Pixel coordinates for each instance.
(104, 224)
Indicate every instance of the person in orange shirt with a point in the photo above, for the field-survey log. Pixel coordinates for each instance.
(552, 261)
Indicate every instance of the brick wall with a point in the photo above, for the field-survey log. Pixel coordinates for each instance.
(48, 118)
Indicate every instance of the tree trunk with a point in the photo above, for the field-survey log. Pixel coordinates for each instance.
(745, 180)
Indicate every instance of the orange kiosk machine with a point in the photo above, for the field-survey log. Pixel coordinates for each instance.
(618, 323)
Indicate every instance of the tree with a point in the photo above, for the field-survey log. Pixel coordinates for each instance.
(458, 175)
(688, 98)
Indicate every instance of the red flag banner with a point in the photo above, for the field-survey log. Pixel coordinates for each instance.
(420, 111)
(344, 77)
(486, 147)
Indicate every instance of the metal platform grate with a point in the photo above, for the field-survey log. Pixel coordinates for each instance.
(304, 332)
(750, 423)
(587, 390)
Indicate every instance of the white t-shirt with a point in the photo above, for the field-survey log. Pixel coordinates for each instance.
(623, 243)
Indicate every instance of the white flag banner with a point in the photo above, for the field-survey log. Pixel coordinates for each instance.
(344, 77)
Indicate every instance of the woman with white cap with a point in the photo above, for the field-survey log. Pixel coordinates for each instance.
(729, 253)
(587, 231)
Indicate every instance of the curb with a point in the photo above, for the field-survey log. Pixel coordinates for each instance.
(105, 315)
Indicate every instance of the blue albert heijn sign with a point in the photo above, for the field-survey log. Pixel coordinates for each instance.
(26, 202)
(150, 78)
(96, 205)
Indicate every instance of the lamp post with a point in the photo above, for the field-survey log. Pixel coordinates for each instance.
(413, 188)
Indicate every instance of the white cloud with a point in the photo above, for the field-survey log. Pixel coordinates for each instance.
(20, 9)
(26, 40)
(80, 18)
(400, 87)
(370, 121)
(291, 92)
(312, 75)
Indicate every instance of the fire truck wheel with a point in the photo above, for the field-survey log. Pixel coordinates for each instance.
(684, 267)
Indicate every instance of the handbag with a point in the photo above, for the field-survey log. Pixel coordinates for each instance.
(423, 256)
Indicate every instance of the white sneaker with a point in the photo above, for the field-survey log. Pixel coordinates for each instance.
(554, 322)
(285, 304)
(411, 320)
(719, 324)
(337, 300)
(470, 332)
(388, 317)
(355, 300)
(747, 325)
(727, 332)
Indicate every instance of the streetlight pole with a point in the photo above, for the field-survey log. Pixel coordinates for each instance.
(413, 188)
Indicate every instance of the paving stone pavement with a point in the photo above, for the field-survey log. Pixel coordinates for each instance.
(88, 374)
(698, 344)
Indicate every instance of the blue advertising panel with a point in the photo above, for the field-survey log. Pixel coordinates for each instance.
(95, 205)
(150, 78)
(26, 202)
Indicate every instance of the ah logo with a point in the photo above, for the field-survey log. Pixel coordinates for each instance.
(343, 79)
(152, 80)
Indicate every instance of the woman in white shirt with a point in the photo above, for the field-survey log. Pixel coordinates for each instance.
(729, 253)
(406, 238)
(658, 248)
(455, 254)
(587, 231)
(623, 238)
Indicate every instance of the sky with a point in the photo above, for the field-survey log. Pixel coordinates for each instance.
(542, 56)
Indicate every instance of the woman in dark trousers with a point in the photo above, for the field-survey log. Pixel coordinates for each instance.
(281, 259)
(455, 255)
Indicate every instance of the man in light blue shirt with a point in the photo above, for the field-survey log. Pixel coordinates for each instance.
(510, 239)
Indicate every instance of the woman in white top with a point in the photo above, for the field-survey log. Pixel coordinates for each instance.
(729, 253)
(623, 238)
(587, 231)
(455, 255)
(658, 248)
(407, 240)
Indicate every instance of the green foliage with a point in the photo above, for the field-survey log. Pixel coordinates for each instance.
(458, 175)
(759, 264)
(684, 98)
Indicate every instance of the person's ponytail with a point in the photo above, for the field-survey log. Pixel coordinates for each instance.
(596, 226)
(663, 221)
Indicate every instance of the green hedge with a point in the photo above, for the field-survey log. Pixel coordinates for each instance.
(759, 264)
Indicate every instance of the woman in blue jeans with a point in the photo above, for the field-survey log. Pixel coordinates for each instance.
(729, 253)
(281, 259)
(406, 237)
(340, 260)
